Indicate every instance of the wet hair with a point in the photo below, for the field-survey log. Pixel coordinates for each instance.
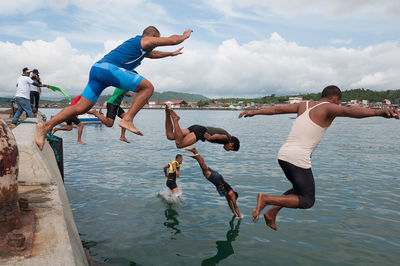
(236, 194)
(150, 30)
(236, 143)
(331, 91)
(178, 156)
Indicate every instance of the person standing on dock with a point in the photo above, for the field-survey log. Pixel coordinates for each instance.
(115, 69)
(188, 136)
(223, 188)
(35, 92)
(173, 173)
(69, 122)
(22, 97)
(114, 109)
(294, 157)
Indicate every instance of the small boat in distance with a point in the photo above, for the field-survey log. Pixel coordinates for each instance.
(89, 119)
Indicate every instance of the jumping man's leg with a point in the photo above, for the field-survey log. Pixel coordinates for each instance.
(123, 130)
(270, 216)
(144, 91)
(175, 190)
(105, 120)
(66, 128)
(232, 199)
(230, 204)
(288, 201)
(81, 107)
(183, 138)
(80, 130)
(122, 137)
(200, 160)
(169, 128)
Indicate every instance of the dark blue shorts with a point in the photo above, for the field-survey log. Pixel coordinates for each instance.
(218, 181)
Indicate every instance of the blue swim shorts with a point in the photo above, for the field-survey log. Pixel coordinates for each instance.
(103, 75)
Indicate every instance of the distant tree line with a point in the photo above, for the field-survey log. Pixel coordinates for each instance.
(360, 94)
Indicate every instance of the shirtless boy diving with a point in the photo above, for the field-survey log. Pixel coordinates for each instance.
(194, 133)
(223, 188)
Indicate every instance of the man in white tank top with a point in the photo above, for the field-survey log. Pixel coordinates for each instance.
(313, 118)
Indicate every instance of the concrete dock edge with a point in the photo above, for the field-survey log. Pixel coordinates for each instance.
(56, 239)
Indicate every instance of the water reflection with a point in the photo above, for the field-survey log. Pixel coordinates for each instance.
(224, 248)
(171, 215)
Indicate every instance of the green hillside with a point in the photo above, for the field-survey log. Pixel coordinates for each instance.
(164, 96)
(360, 94)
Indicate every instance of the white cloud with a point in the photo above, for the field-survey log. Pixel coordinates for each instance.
(11, 7)
(293, 8)
(337, 41)
(59, 64)
(256, 68)
(276, 66)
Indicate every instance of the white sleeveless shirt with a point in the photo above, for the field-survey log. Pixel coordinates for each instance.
(302, 140)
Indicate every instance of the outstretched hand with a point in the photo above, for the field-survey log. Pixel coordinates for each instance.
(207, 136)
(177, 52)
(246, 114)
(187, 33)
(390, 113)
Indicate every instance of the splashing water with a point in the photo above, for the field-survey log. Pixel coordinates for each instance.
(168, 197)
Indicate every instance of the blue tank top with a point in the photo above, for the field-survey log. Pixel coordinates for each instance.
(128, 55)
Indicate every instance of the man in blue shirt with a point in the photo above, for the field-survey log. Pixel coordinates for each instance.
(116, 69)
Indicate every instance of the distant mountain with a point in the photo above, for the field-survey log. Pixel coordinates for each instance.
(172, 95)
(164, 96)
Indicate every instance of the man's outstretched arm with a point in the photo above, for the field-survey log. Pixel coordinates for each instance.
(360, 112)
(273, 110)
(159, 54)
(221, 137)
(149, 43)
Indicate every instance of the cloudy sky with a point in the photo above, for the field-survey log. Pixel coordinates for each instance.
(243, 48)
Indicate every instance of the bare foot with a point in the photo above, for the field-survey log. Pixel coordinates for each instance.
(124, 139)
(129, 126)
(270, 219)
(191, 148)
(174, 115)
(256, 211)
(40, 135)
(194, 155)
(92, 111)
(80, 142)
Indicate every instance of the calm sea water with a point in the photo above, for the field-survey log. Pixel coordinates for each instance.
(113, 189)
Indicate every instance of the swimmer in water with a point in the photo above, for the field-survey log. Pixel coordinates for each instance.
(223, 188)
(173, 173)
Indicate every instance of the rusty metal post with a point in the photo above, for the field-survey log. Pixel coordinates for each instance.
(9, 208)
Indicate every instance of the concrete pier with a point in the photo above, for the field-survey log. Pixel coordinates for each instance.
(56, 239)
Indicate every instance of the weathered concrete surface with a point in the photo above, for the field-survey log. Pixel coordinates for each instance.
(56, 240)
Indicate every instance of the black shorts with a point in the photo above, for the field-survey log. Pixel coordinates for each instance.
(114, 110)
(74, 120)
(171, 184)
(199, 131)
(226, 188)
(303, 183)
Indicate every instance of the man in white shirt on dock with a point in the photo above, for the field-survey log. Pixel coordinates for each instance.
(22, 97)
